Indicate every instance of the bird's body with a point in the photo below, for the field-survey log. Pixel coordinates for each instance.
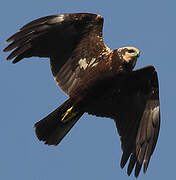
(98, 80)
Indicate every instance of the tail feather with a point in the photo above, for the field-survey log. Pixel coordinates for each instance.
(52, 128)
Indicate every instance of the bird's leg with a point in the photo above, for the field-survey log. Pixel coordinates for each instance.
(68, 115)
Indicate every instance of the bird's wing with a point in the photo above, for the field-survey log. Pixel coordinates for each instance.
(71, 41)
(133, 102)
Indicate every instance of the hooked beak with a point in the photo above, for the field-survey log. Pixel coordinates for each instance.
(137, 54)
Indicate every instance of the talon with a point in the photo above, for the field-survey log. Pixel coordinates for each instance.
(66, 114)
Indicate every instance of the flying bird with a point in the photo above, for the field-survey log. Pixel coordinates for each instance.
(97, 79)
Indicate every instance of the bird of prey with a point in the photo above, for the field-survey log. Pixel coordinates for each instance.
(98, 80)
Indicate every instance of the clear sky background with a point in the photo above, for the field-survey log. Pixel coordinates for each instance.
(28, 93)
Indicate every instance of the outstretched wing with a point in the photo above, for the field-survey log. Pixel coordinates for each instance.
(73, 43)
(132, 100)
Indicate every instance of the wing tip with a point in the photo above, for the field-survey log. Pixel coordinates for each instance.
(5, 49)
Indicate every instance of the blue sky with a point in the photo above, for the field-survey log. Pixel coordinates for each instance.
(28, 92)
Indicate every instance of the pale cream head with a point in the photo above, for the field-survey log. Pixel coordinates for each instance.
(129, 54)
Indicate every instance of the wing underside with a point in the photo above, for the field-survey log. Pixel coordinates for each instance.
(133, 102)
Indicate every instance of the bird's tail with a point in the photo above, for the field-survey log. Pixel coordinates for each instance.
(57, 124)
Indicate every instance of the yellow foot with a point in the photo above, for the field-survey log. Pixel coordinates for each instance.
(64, 119)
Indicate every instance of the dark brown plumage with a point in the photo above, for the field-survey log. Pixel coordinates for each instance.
(99, 81)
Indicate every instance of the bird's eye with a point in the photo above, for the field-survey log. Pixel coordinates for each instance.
(131, 51)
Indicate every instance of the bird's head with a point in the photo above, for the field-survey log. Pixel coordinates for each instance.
(129, 55)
